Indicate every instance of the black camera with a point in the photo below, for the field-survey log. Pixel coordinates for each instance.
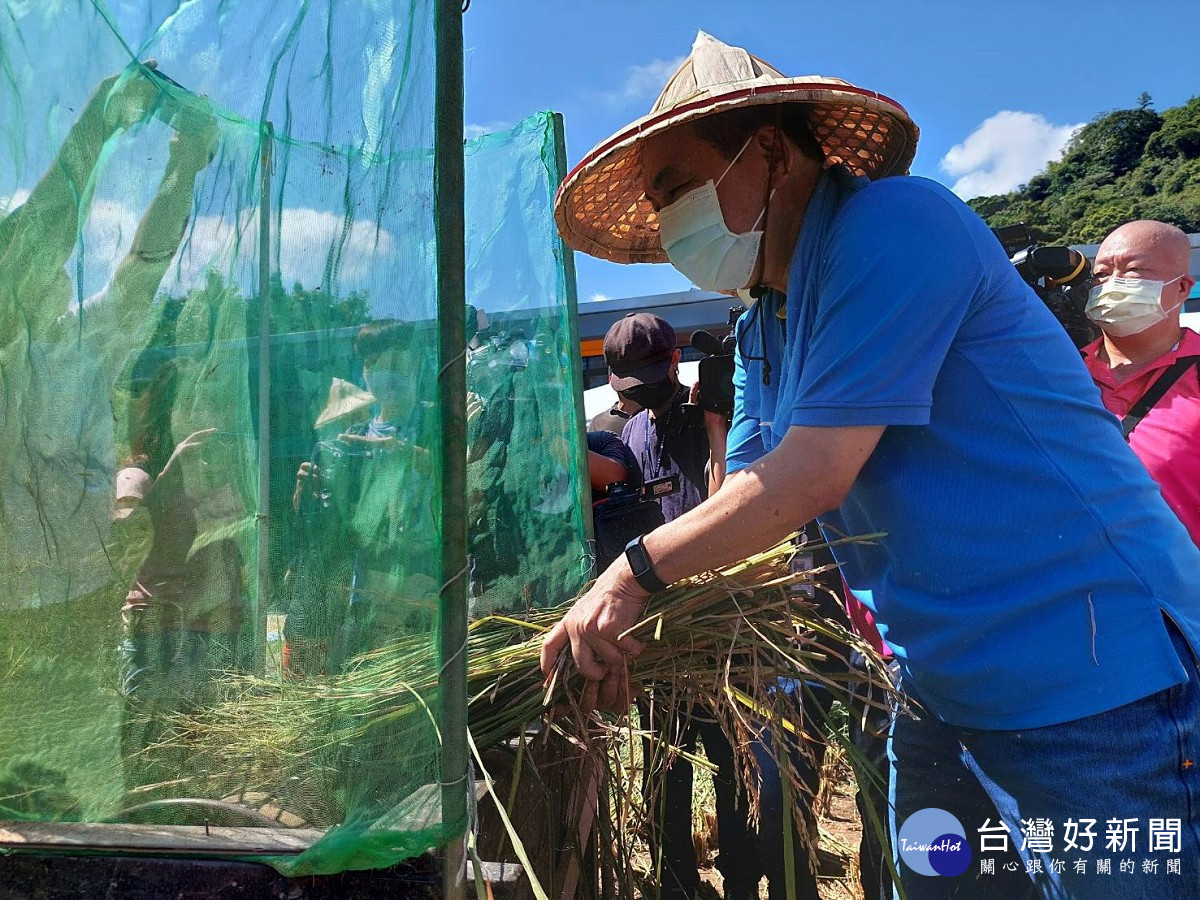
(1060, 276)
(622, 515)
(621, 493)
(716, 368)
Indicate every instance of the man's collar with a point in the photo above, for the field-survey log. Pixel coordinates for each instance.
(1187, 345)
(834, 187)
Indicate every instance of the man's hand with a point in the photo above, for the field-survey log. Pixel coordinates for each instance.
(808, 473)
(593, 628)
(714, 422)
(187, 446)
(474, 406)
(130, 96)
(716, 426)
(422, 460)
(306, 472)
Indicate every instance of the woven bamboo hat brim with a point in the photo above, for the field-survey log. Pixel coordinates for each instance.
(345, 400)
(601, 207)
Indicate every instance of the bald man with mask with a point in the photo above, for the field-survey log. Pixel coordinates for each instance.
(1145, 364)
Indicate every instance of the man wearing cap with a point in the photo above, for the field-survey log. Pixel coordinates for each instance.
(681, 462)
(1146, 366)
(897, 376)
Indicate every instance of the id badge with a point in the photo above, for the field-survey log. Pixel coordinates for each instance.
(657, 488)
(802, 562)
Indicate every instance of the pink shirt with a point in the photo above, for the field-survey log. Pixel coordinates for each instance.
(1167, 440)
(862, 622)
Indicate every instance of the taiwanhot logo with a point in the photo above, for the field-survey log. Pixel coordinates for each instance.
(933, 842)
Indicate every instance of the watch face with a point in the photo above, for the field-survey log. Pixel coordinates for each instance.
(636, 553)
(641, 567)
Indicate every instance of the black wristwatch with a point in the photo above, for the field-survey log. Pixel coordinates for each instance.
(642, 568)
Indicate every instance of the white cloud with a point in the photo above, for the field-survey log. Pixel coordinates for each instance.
(109, 228)
(1005, 151)
(304, 240)
(599, 298)
(644, 81)
(470, 132)
(649, 80)
(13, 200)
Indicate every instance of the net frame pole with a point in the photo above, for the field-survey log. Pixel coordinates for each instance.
(266, 141)
(571, 297)
(450, 228)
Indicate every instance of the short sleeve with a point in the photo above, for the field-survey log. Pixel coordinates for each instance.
(744, 443)
(606, 444)
(899, 276)
(612, 447)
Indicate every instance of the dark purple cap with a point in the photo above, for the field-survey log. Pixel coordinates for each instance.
(638, 350)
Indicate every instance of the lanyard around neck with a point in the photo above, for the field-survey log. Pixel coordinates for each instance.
(661, 431)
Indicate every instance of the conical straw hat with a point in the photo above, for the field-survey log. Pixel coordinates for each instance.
(601, 208)
(345, 400)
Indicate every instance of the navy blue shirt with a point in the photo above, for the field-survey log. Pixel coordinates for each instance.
(609, 445)
(667, 447)
(1029, 559)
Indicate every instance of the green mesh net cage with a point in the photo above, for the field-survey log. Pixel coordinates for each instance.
(221, 430)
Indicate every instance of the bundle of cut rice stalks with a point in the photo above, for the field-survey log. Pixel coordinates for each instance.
(717, 644)
(744, 648)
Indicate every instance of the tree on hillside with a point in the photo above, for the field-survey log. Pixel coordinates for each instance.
(1111, 145)
(1125, 164)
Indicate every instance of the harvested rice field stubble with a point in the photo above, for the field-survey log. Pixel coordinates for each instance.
(837, 819)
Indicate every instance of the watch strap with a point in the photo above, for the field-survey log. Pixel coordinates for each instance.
(641, 567)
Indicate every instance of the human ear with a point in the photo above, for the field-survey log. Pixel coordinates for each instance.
(1184, 287)
(776, 150)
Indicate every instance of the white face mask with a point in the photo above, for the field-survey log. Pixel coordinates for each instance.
(700, 245)
(1125, 306)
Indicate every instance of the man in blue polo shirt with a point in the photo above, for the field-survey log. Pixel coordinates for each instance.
(897, 376)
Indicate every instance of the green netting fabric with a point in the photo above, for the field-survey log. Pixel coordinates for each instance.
(527, 488)
(155, 670)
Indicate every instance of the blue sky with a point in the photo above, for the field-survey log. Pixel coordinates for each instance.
(956, 65)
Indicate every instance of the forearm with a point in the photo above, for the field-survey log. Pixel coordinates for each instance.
(44, 227)
(718, 435)
(808, 474)
(52, 207)
(748, 514)
(156, 240)
(604, 471)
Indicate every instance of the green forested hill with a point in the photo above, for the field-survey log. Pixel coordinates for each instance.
(1125, 164)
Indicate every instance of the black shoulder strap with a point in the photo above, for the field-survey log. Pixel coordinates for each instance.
(1156, 392)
